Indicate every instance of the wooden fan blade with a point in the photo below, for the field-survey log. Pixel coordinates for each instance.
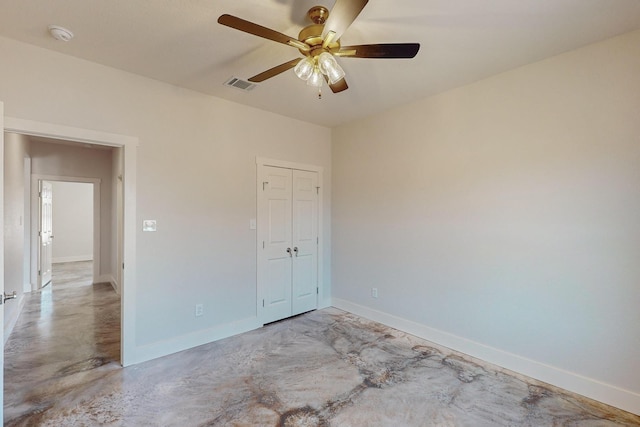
(260, 31)
(275, 71)
(342, 15)
(339, 86)
(387, 50)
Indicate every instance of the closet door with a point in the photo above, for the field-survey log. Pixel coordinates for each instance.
(288, 242)
(276, 259)
(305, 241)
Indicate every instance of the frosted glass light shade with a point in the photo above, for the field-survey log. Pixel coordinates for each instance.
(326, 61)
(335, 74)
(329, 67)
(316, 78)
(304, 69)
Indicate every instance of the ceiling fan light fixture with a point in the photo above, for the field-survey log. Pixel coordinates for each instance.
(316, 78)
(330, 67)
(305, 68)
(320, 44)
(336, 75)
(326, 61)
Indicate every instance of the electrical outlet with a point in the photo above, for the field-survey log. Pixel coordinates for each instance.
(374, 292)
(199, 310)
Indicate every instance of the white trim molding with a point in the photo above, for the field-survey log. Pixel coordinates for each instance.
(35, 222)
(588, 387)
(67, 133)
(74, 258)
(288, 165)
(194, 339)
(108, 278)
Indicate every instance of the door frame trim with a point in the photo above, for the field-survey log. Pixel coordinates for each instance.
(129, 146)
(35, 221)
(263, 161)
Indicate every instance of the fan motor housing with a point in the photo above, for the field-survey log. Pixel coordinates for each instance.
(312, 35)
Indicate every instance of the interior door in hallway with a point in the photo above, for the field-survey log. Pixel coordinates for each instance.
(288, 243)
(46, 233)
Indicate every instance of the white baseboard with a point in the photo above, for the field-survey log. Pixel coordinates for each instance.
(611, 395)
(108, 278)
(75, 258)
(105, 278)
(194, 339)
(10, 323)
(324, 304)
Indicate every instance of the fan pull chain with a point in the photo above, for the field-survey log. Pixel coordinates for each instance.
(320, 93)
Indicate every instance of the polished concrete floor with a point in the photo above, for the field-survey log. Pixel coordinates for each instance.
(324, 368)
(66, 332)
(71, 275)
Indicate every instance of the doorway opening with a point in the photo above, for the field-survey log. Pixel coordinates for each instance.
(66, 228)
(123, 231)
(73, 224)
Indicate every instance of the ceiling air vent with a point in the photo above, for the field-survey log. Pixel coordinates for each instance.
(239, 84)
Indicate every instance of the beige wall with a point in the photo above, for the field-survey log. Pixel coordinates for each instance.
(503, 217)
(73, 221)
(196, 176)
(61, 160)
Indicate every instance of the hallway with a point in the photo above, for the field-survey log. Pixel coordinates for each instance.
(67, 334)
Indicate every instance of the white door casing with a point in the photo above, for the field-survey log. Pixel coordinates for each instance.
(2, 260)
(35, 224)
(287, 240)
(45, 232)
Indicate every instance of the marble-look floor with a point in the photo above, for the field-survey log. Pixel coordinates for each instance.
(72, 274)
(324, 368)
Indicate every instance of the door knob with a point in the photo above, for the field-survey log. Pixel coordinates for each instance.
(289, 252)
(295, 249)
(10, 296)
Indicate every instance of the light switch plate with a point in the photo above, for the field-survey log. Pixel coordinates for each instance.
(149, 225)
(252, 224)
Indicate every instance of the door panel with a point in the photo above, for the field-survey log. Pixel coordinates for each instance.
(46, 233)
(304, 212)
(305, 240)
(305, 283)
(278, 293)
(279, 221)
(274, 266)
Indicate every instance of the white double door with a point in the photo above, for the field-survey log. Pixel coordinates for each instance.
(287, 242)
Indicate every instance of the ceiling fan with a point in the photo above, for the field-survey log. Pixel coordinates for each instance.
(320, 45)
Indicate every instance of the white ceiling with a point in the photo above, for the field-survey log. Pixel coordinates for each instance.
(180, 42)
